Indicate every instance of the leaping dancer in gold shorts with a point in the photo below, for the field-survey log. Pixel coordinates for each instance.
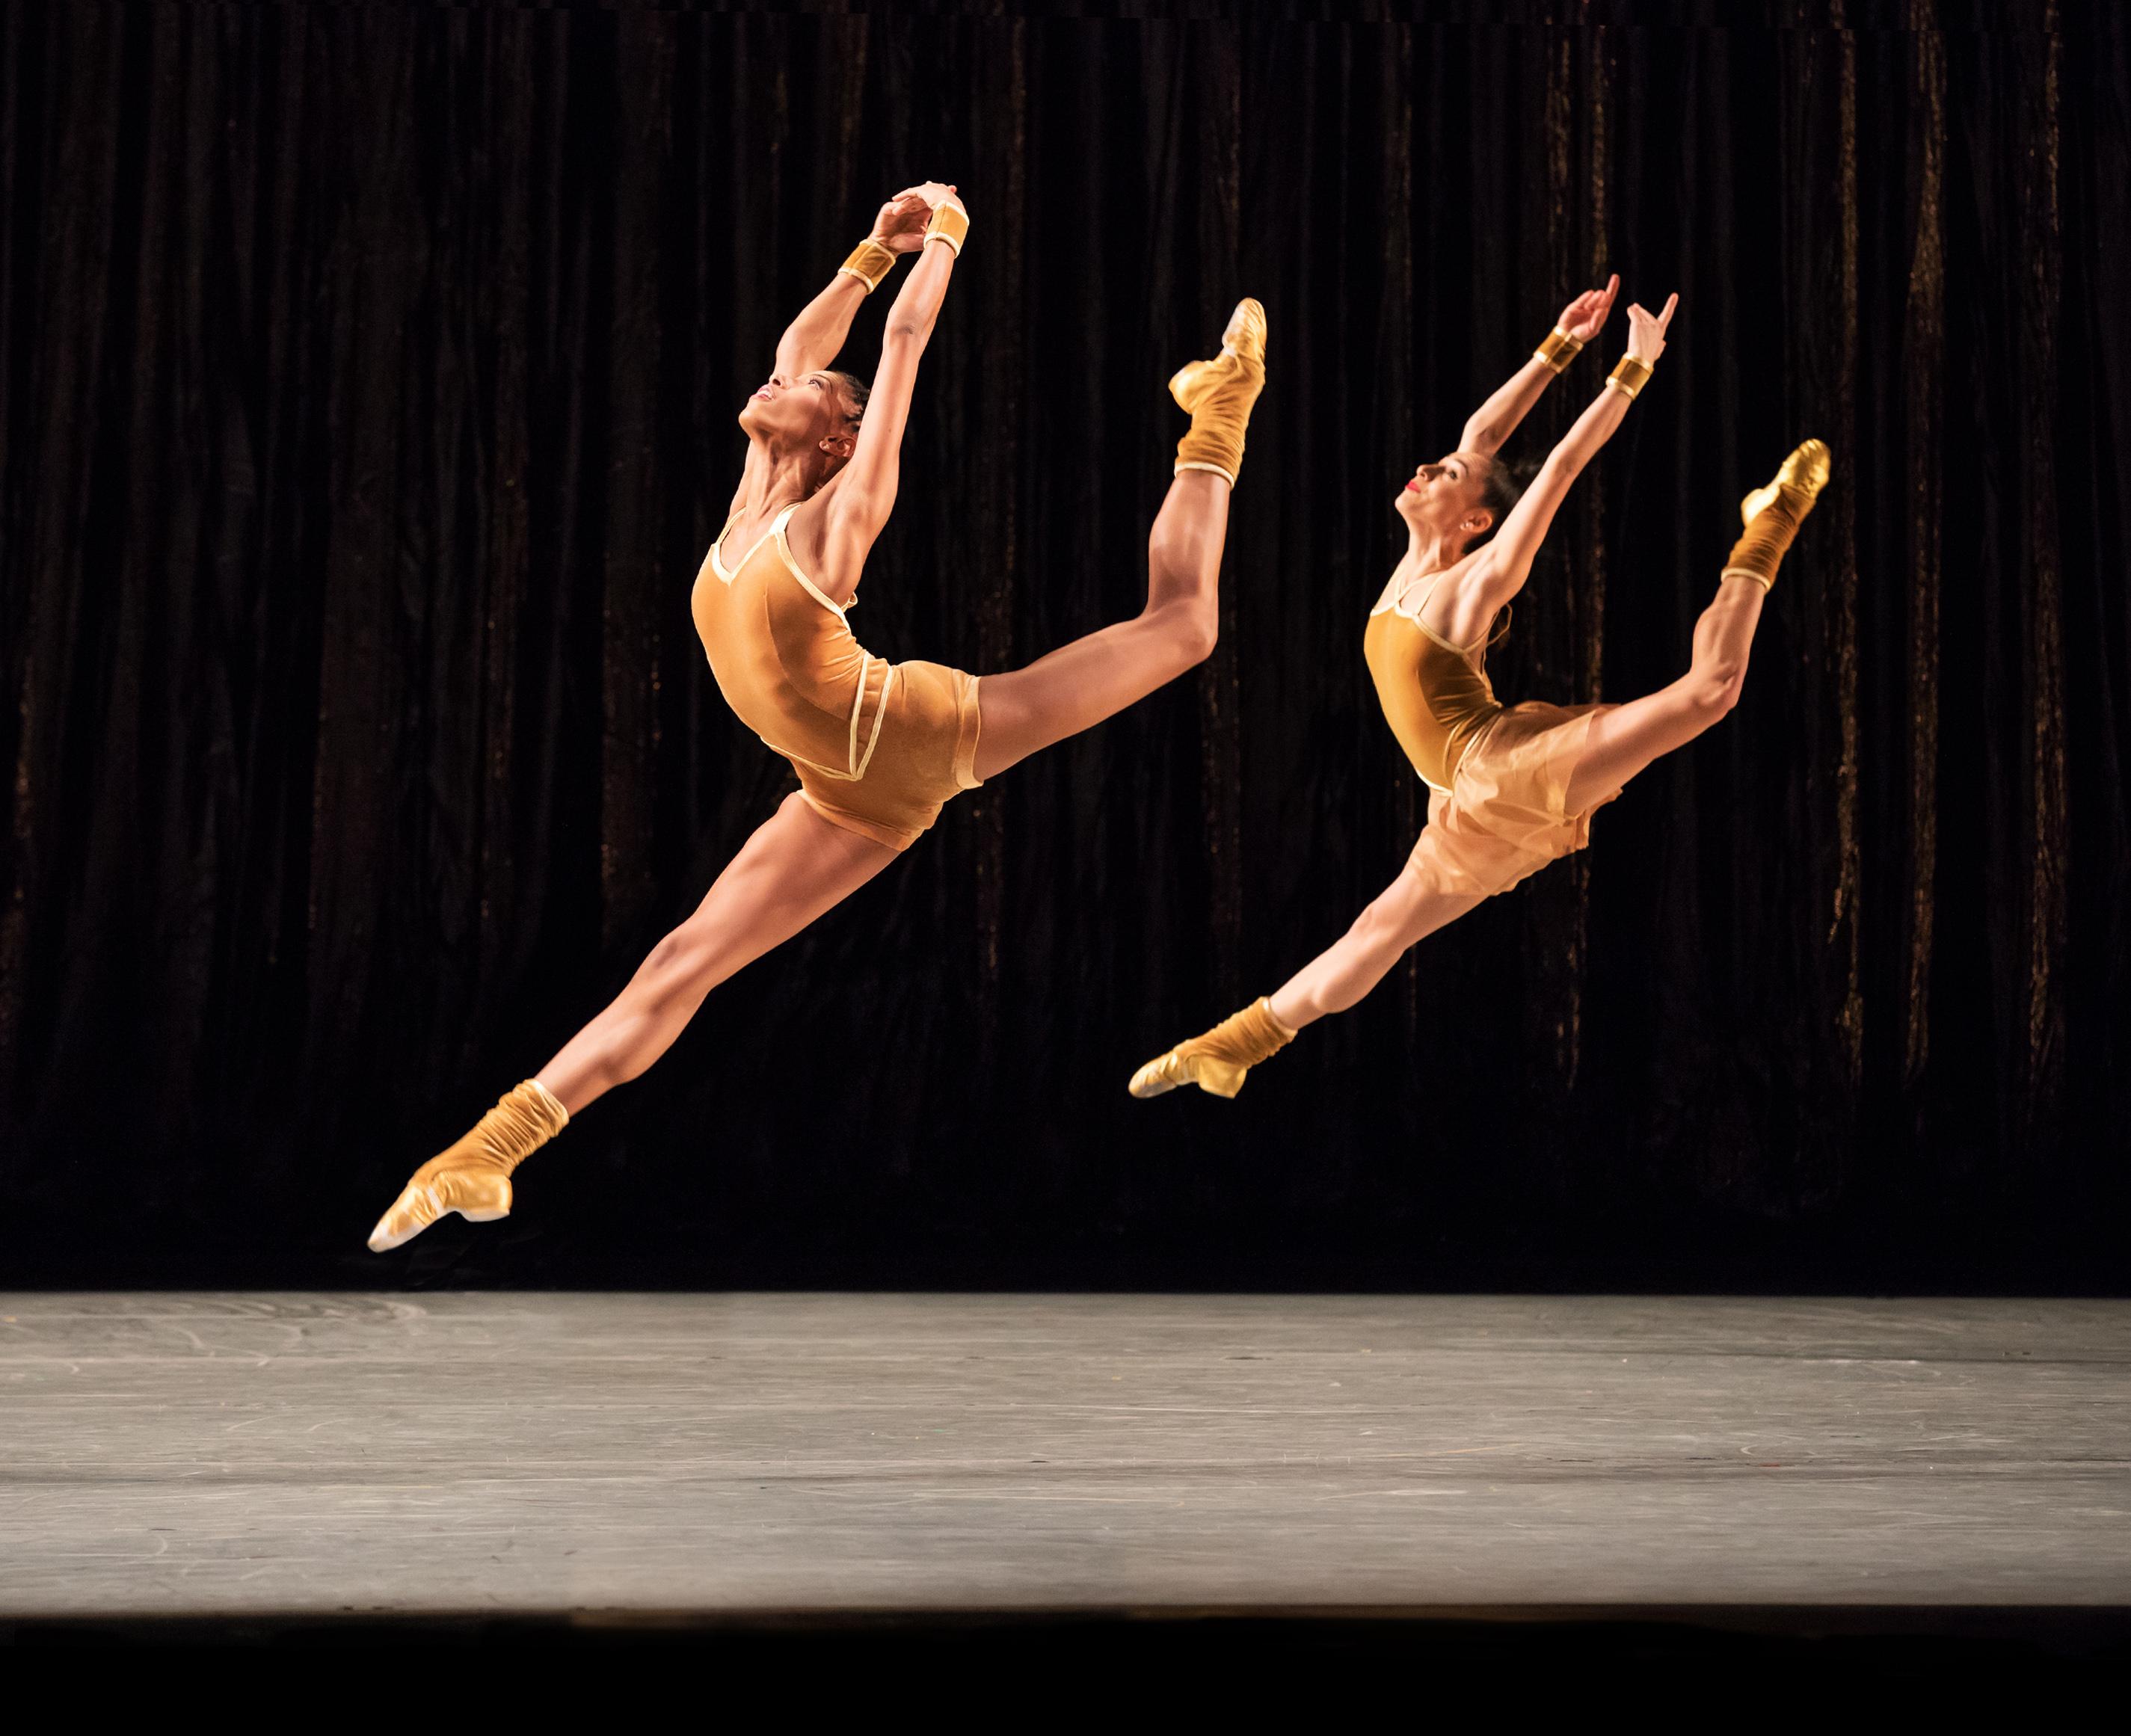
(879, 747)
(1512, 787)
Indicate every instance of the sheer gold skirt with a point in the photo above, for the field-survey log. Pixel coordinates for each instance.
(1506, 815)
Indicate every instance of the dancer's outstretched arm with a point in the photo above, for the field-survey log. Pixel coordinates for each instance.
(1506, 563)
(1496, 419)
(839, 526)
(815, 338)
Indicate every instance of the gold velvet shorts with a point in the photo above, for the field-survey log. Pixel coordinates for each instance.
(1507, 813)
(926, 752)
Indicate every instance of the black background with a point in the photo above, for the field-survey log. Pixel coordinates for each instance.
(366, 392)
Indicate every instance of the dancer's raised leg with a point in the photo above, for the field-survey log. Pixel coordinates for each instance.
(1078, 685)
(796, 868)
(1627, 739)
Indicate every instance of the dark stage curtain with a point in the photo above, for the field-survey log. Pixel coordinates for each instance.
(367, 379)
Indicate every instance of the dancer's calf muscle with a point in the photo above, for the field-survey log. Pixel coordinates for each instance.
(639, 1025)
(1396, 921)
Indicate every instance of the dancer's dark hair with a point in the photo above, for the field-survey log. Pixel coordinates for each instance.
(1501, 487)
(858, 389)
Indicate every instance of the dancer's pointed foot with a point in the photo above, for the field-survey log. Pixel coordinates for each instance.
(1772, 514)
(1218, 1060)
(472, 1177)
(1218, 394)
(1241, 356)
(439, 1188)
(1805, 473)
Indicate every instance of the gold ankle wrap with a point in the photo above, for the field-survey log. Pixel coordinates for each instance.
(472, 1177)
(1217, 1061)
(1219, 393)
(950, 225)
(1631, 374)
(870, 263)
(1558, 349)
(1772, 515)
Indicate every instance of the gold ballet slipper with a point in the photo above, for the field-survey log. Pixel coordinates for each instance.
(1241, 356)
(1772, 514)
(1218, 394)
(1806, 472)
(1218, 1060)
(472, 1177)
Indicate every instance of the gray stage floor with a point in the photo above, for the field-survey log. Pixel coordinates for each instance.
(211, 1454)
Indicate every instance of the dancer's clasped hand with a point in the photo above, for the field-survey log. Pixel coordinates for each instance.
(935, 194)
(1584, 317)
(900, 225)
(1646, 331)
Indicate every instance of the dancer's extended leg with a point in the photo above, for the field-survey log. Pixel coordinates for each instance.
(1078, 685)
(795, 867)
(1397, 920)
(1628, 737)
(1405, 912)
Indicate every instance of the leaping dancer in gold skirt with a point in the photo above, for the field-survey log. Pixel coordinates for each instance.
(879, 747)
(1511, 788)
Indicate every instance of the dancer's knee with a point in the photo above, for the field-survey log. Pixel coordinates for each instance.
(1190, 630)
(676, 965)
(1713, 686)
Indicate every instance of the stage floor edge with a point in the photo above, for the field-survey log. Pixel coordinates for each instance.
(500, 1463)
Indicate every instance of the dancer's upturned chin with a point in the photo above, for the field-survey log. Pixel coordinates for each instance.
(879, 746)
(1511, 788)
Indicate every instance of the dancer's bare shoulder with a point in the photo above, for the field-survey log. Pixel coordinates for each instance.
(1451, 602)
(1462, 604)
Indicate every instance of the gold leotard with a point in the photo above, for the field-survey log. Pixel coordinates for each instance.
(879, 747)
(1499, 773)
(1436, 695)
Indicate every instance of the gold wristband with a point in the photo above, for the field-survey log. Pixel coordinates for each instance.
(1630, 376)
(1558, 349)
(870, 263)
(949, 224)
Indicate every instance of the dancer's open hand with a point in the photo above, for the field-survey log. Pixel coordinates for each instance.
(900, 225)
(1646, 331)
(1583, 318)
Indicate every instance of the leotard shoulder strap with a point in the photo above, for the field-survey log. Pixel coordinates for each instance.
(1397, 605)
(784, 549)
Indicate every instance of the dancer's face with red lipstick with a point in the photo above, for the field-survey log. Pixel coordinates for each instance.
(1447, 495)
(795, 411)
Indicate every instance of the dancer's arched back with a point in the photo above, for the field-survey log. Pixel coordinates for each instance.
(1511, 788)
(879, 746)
